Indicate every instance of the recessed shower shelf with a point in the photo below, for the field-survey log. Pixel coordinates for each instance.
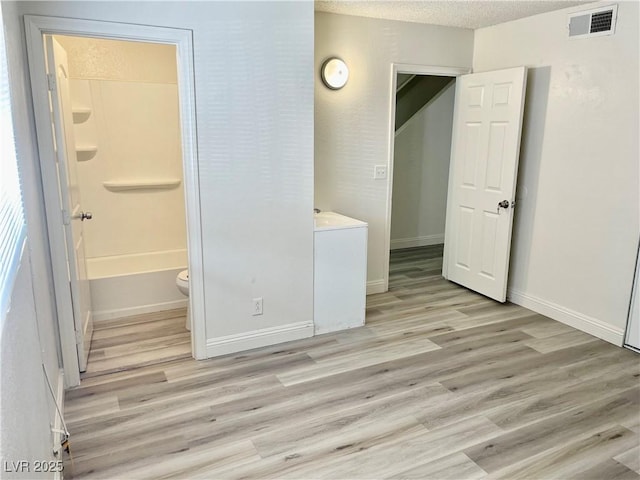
(81, 114)
(123, 185)
(86, 152)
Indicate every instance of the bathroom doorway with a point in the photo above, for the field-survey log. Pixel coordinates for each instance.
(126, 165)
(137, 185)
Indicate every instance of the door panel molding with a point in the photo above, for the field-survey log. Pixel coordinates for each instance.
(482, 176)
(69, 193)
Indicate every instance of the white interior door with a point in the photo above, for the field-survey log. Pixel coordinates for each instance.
(484, 165)
(62, 118)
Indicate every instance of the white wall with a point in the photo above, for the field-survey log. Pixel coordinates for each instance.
(25, 403)
(421, 173)
(352, 124)
(29, 332)
(254, 91)
(577, 217)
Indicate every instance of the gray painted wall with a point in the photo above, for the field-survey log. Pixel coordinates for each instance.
(352, 125)
(416, 94)
(421, 174)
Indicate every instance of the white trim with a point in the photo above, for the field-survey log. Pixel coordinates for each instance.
(105, 315)
(429, 70)
(574, 319)
(395, 69)
(424, 241)
(376, 286)
(57, 422)
(36, 27)
(448, 219)
(258, 338)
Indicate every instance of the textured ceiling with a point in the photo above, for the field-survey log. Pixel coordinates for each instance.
(452, 13)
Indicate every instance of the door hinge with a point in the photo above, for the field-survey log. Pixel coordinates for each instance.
(66, 219)
(51, 81)
(79, 338)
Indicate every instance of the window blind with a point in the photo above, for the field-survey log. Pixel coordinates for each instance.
(12, 226)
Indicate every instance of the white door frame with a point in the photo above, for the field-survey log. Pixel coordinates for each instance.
(36, 27)
(415, 70)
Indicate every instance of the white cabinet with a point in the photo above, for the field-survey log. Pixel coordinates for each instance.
(340, 272)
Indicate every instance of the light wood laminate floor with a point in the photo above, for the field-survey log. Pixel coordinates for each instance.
(441, 383)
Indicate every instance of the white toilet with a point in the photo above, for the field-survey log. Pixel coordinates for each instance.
(182, 282)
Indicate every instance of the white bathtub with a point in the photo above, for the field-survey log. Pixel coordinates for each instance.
(126, 285)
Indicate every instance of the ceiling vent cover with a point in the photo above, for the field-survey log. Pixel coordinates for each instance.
(593, 23)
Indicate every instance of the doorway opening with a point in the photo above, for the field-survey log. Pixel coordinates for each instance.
(422, 149)
(485, 143)
(421, 126)
(109, 248)
(125, 166)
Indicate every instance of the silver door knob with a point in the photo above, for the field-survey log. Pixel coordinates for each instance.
(85, 216)
(503, 204)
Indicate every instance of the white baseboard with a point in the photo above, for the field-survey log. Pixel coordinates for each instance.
(375, 286)
(424, 241)
(104, 315)
(574, 319)
(258, 338)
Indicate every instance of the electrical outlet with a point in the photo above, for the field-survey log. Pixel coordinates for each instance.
(380, 172)
(257, 306)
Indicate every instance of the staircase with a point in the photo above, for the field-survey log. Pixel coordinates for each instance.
(414, 92)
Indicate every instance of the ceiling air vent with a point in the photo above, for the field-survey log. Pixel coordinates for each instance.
(593, 23)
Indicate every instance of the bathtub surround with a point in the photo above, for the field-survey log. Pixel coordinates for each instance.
(352, 133)
(129, 164)
(133, 122)
(133, 185)
(421, 173)
(115, 60)
(126, 285)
